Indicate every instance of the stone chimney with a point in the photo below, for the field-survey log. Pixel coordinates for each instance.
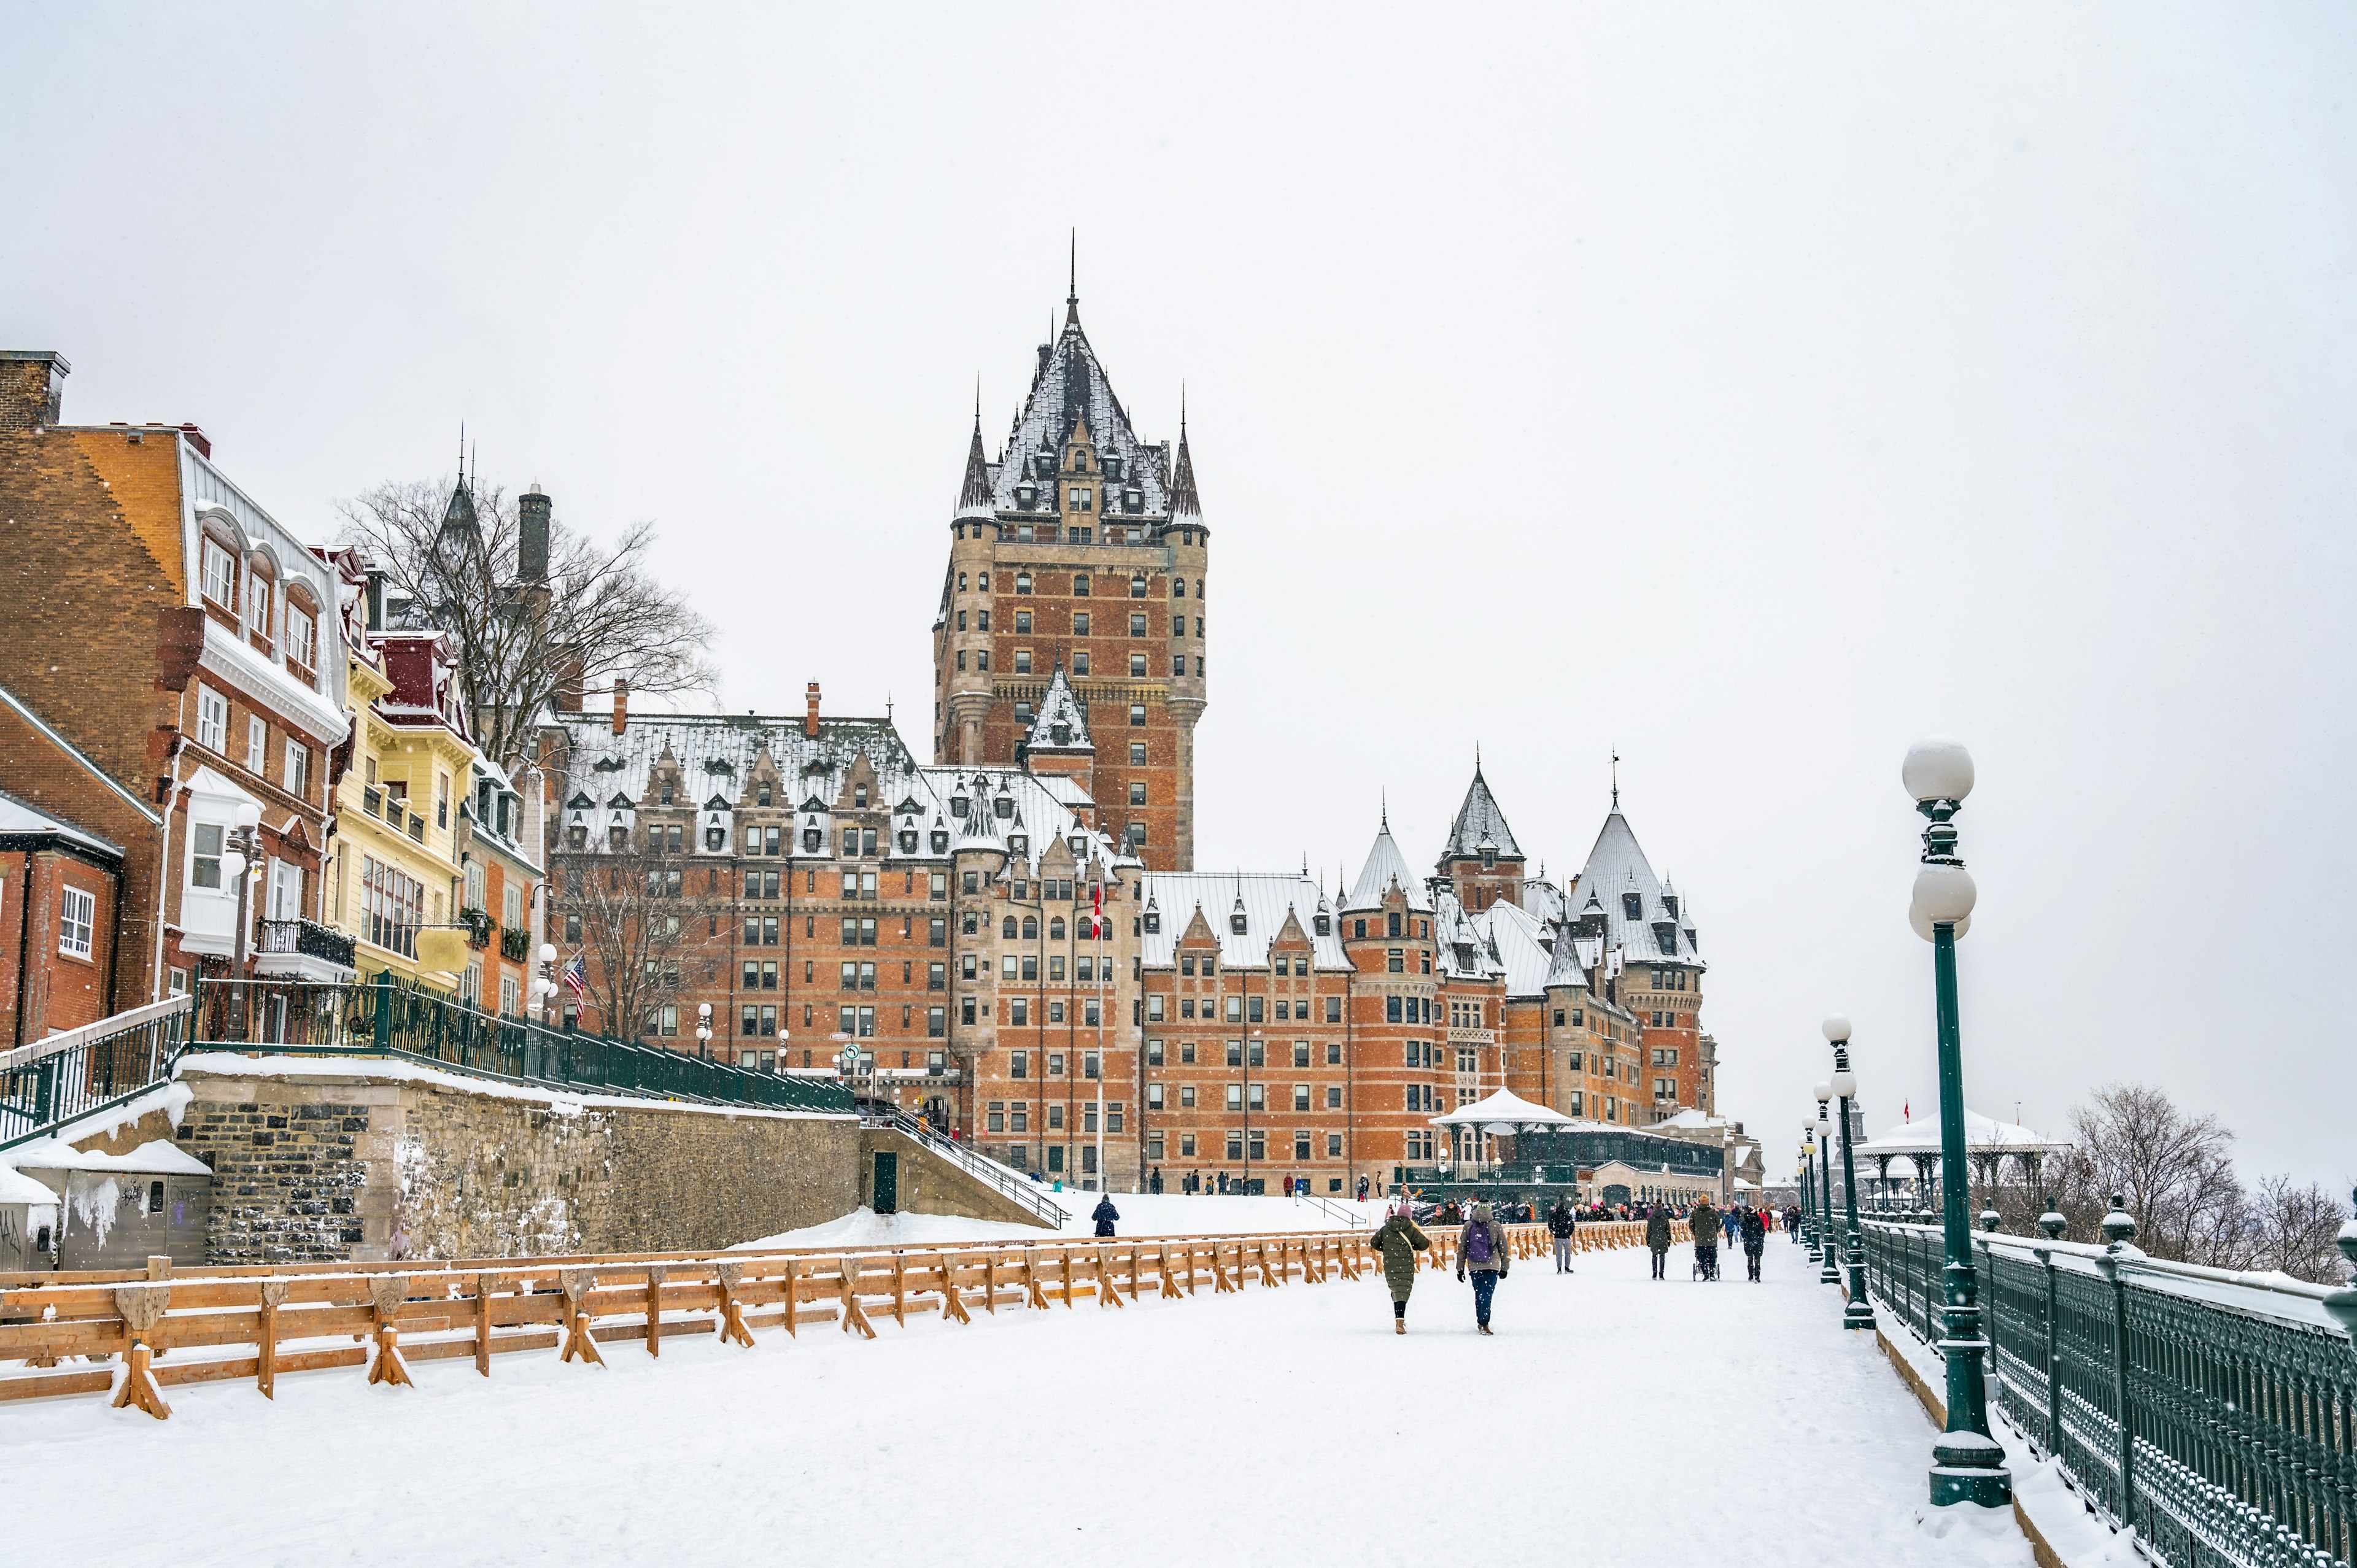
(810, 712)
(32, 387)
(532, 535)
(621, 704)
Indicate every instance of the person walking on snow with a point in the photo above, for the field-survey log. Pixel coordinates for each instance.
(1561, 1222)
(1754, 1228)
(1105, 1214)
(1483, 1248)
(1704, 1224)
(1733, 1225)
(1399, 1242)
(1657, 1237)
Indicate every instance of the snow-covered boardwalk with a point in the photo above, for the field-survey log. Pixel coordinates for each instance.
(1610, 1421)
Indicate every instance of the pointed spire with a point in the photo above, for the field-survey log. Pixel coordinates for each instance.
(974, 495)
(1072, 288)
(1184, 503)
(1615, 778)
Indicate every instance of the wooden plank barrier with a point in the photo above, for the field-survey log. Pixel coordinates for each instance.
(252, 1323)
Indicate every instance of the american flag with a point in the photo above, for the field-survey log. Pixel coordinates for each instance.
(576, 975)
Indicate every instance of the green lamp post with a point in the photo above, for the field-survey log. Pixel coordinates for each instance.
(1809, 1187)
(1968, 1464)
(1859, 1313)
(1829, 1274)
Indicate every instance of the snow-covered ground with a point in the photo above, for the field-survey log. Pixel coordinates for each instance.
(1611, 1421)
(1141, 1214)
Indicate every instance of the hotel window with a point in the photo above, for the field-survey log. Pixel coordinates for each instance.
(1081, 584)
(257, 607)
(1023, 661)
(221, 575)
(301, 638)
(1022, 582)
(1137, 626)
(204, 858)
(1080, 662)
(1023, 621)
(298, 770)
(1081, 622)
(257, 747)
(77, 917)
(1137, 716)
(1138, 666)
(1081, 498)
(1137, 585)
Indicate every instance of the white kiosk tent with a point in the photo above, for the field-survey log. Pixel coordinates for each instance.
(1501, 1115)
(1914, 1148)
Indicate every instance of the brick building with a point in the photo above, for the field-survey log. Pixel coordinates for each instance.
(1081, 549)
(172, 633)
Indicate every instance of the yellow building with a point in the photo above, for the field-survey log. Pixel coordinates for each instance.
(400, 822)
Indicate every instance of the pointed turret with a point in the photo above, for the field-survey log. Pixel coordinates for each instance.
(1481, 859)
(973, 496)
(460, 515)
(1386, 868)
(1184, 503)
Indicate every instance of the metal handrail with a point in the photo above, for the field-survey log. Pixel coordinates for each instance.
(48, 1083)
(998, 1176)
(2213, 1413)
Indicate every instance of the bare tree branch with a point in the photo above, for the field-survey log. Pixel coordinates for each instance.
(600, 614)
(648, 913)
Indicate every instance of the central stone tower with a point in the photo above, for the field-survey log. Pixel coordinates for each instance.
(1081, 549)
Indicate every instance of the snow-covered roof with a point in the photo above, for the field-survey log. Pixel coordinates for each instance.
(1267, 899)
(16, 1187)
(1062, 725)
(1481, 826)
(1503, 1112)
(158, 1156)
(1070, 384)
(1616, 872)
(18, 817)
(1523, 945)
(1385, 866)
(1983, 1135)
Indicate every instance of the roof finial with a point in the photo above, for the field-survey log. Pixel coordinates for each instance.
(1386, 798)
(1072, 288)
(1615, 778)
(977, 402)
(462, 451)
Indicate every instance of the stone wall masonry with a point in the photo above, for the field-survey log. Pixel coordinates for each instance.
(333, 1165)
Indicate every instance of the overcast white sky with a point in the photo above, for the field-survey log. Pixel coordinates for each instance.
(1753, 389)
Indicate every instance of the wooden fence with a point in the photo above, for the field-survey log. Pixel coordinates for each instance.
(256, 1323)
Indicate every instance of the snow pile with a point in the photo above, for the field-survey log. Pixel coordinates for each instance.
(1141, 1214)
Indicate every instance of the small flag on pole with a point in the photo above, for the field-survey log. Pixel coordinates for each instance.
(577, 976)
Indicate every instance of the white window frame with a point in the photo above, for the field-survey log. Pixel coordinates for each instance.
(261, 593)
(257, 746)
(285, 890)
(197, 856)
(77, 920)
(213, 720)
(214, 554)
(298, 769)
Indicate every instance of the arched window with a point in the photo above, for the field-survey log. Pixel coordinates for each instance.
(1056, 928)
(1007, 929)
(1179, 587)
(1031, 927)
(1137, 585)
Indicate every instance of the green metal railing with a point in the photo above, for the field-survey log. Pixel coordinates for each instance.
(2214, 1413)
(385, 1017)
(72, 1074)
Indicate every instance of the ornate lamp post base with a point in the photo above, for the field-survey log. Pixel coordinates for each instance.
(1967, 1467)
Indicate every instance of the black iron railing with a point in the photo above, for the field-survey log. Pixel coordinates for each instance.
(50, 1082)
(307, 937)
(989, 1172)
(2238, 1444)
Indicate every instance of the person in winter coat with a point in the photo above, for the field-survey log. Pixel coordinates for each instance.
(1399, 1242)
(1704, 1224)
(1755, 1242)
(1657, 1237)
(1561, 1223)
(1792, 1223)
(1105, 1214)
(1481, 1249)
(1154, 1182)
(1733, 1224)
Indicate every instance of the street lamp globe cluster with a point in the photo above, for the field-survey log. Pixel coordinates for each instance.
(1860, 1313)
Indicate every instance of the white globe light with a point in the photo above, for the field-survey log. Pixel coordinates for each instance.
(248, 815)
(1825, 1092)
(233, 865)
(1836, 1028)
(1845, 1084)
(1922, 925)
(548, 952)
(1945, 893)
(1937, 770)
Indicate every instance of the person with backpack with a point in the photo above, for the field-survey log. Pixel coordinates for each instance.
(1561, 1223)
(1481, 1249)
(1733, 1225)
(1399, 1242)
(1657, 1237)
(1105, 1214)
(1754, 1230)
(1703, 1222)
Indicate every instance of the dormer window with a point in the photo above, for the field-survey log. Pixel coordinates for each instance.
(940, 840)
(1632, 907)
(1236, 921)
(1670, 903)
(859, 796)
(1044, 464)
(665, 792)
(1025, 495)
(1002, 808)
(1133, 500)
(908, 841)
(715, 837)
(813, 840)
(221, 575)
(1324, 925)
(761, 796)
(1079, 462)
(1019, 844)
(1489, 860)
(1062, 734)
(957, 807)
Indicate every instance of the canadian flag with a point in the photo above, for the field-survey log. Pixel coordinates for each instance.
(1096, 911)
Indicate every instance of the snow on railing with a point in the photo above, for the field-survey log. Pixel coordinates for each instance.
(2238, 1388)
(257, 1322)
(48, 1083)
(1007, 1181)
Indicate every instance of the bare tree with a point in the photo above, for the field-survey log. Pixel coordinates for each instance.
(598, 613)
(2292, 1228)
(2177, 1172)
(647, 913)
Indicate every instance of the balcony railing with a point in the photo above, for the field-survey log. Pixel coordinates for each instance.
(307, 937)
(515, 944)
(49, 1082)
